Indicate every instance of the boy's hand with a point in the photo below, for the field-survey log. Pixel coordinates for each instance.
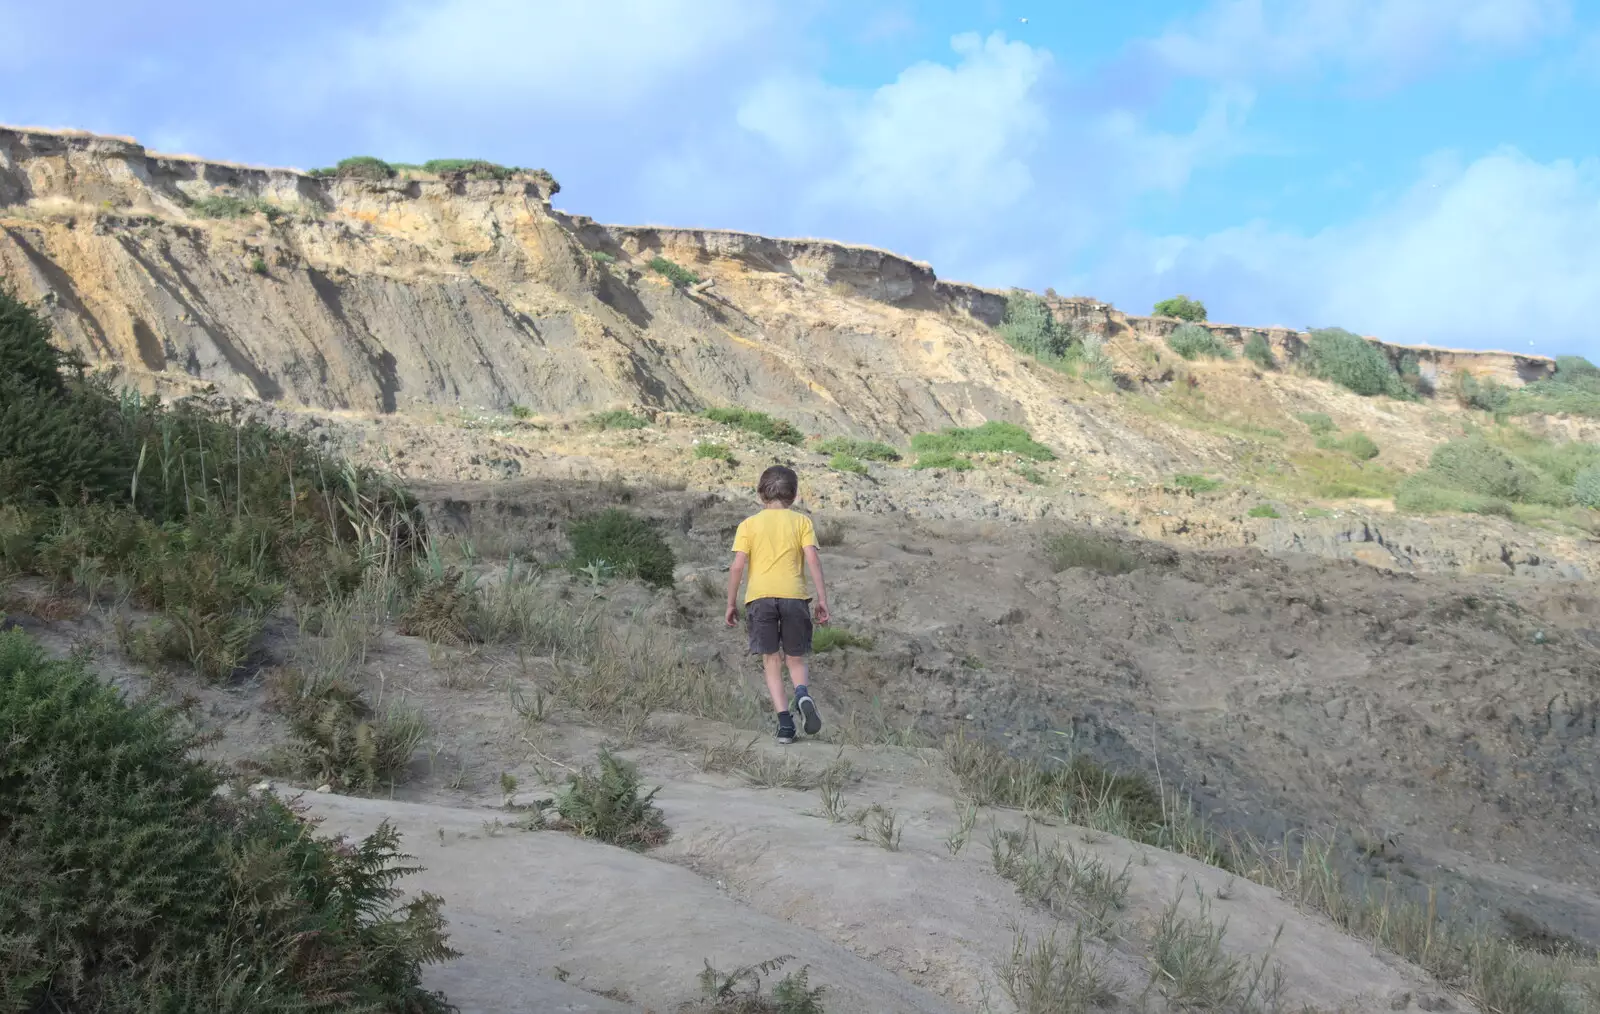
(731, 618)
(822, 613)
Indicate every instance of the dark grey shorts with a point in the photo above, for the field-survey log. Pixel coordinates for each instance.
(779, 623)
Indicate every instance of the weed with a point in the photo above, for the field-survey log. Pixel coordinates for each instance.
(616, 419)
(880, 827)
(1264, 510)
(1052, 977)
(845, 463)
(829, 638)
(866, 450)
(1259, 352)
(1031, 474)
(601, 257)
(943, 459)
(1574, 390)
(606, 805)
(990, 438)
(1357, 445)
(1197, 483)
(759, 423)
(833, 805)
(713, 452)
(1072, 549)
(230, 206)
(966, 819)
(630, 544)
(1029, 326)
(1192, 969)
(740, 991)
(1485, 395)
(1183, 308)
(442, 612)
(1191, 341)
(1061, 879)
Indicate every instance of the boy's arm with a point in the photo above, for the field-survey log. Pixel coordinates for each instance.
(735, 577)
(814, 564)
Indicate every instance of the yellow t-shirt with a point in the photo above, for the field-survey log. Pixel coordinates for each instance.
(775, 541)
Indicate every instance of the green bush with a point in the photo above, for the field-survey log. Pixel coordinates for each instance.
(229, 206)
(131, 883)
(943, 459)
(832, 638)
(473, 168)
(606, 805)
(1029, 326)
(1357, 445)
(990, 438)
(713, 452)
(338, 738)
(1573, 390)
(1474, 465)
(758, 423)
(866, 450)
(1197, 483)
(1183, 308)
(601, 257)
(677, 274)
(1191, 341)
(1264, 510)
(1485, 395)
(845, 463)
(258, 265)
(1319, 423)
(616, 419)
(1259, 352)
(630, 544)
(363, 167)
(1353, 362)
(1071, 549)
(1586, 487)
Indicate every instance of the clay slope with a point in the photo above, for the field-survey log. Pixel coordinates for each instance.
(411, 294)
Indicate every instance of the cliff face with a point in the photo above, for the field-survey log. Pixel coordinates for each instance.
(432, 293)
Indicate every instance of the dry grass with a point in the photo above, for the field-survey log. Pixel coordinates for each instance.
(1050, 976)
(1190, 966)
(1061, 879)
(879, 826)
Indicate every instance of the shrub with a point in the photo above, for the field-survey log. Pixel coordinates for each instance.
(866, 450)
(943, 459)
(258, 265)
(616, 419)
(1586, 487)
(1071, 549)
(472, 168)
(990, 438)
(1358, 445)
(713, 452)
(630, 544)
(1259, 352)
(1183, 308)
(363, 167)
(845, 463)
(1029, 326)
(1353, 362)
(1264, 510)
(1191, 341)
(441, 612)
(1574, 390)
(133, 884)
(231, 206)
(339, 739)
(1319, 423)
(1197, 483)
(679, 276)
(1473, 465)
(606, 805)
(831, 638)
(759, 423)
(1485, 395)
(521, 412)
(601, 257)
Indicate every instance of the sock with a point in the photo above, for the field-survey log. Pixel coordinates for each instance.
(801, 691)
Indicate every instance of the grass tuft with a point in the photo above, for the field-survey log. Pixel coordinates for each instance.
(759, 423)
(990, 438)
(680, 276)
(616, 419)
(866, 450)
(630, 545)
(943, 459)
(831, 638)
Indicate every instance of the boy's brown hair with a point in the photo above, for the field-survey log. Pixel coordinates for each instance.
(778, 485)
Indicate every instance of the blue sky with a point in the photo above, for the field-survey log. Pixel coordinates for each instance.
(1423, 170)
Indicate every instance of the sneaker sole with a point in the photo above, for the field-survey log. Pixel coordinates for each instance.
(808, 710)
(785, 740)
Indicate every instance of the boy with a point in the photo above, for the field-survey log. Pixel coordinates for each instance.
(772, 545)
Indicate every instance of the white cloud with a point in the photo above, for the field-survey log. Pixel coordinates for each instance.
(570, 53)
(1499, 252)
(938, 141)
(1381, 39)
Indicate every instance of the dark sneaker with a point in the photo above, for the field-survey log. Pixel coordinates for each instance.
(785, 730)
(810, 720)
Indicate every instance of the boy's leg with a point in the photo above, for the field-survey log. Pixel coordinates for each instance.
(762, 617)
(795, 627)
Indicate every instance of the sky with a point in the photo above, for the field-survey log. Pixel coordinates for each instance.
(1427, 171)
